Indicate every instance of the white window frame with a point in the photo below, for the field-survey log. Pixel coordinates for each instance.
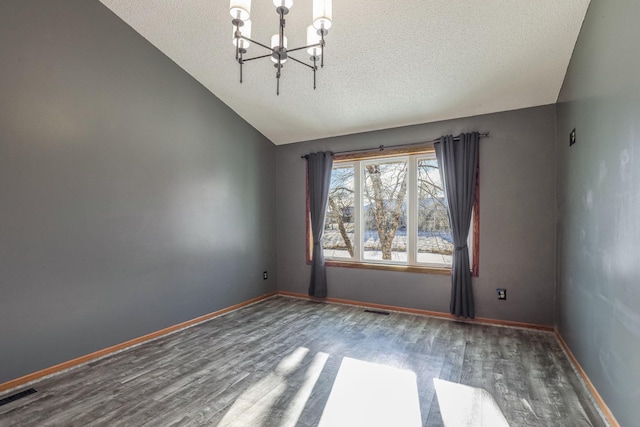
(411, 264)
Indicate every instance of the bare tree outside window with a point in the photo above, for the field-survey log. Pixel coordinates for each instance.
(337, 241)
(385, 193)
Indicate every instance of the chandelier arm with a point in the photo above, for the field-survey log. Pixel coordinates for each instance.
(258, 43)
(303, 47)
(300, 62)
(257, 57)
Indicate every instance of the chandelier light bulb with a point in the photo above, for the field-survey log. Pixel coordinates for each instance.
(239, 9)
(322, 14)
(313, 38)
(284, 3)
(275, 45)
(275, 41)
(245, 30)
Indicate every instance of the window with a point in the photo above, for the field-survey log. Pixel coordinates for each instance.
(390, 213)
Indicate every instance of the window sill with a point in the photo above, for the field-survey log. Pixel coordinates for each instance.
(402, 268)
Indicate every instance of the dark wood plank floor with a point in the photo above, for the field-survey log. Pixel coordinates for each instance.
(276, 363)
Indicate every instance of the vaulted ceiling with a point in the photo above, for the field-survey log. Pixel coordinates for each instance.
(387, 63)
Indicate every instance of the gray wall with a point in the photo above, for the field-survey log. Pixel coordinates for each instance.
(131, 198)
(598, 310)
(517, 220)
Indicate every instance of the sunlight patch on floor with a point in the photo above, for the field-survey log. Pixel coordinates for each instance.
(465, 406)
(370, 394)
(255, 405)
(292, 414)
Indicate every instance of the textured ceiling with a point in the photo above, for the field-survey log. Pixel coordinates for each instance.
(387, 63)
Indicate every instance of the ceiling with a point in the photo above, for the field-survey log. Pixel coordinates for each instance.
(387, 63)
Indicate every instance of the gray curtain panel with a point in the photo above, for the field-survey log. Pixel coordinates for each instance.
(319, 178)
(458, 162)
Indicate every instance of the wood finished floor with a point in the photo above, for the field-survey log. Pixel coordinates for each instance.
(275, 363)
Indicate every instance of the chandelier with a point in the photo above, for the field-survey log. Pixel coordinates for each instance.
(278, 51)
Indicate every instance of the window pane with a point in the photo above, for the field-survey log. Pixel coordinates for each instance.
(337, 240)
(385, 210)
(434, 232)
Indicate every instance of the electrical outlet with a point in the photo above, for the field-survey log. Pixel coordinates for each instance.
(264, 276)
(502, 294)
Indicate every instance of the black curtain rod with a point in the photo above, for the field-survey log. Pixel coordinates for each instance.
(382, 147)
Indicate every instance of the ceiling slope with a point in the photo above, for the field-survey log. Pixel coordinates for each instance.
(387, 64)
